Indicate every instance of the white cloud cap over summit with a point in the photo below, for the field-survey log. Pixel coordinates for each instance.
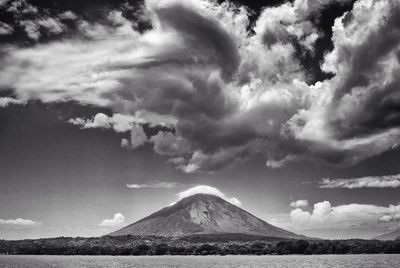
(205, 189)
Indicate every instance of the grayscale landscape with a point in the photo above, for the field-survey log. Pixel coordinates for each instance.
(199, 133)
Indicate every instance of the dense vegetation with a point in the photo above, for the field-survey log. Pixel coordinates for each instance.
(130, 245)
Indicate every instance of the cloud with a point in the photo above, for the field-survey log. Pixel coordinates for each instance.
(19, 7)
(353, 118)
(138, 137)
(391, 181)
(19, 222)
(36, 21)
(299, 203)
(235, 201)
(116, 221)
(343, 215)
(389, 217)
(53, 25)
(158, 185)
(167, 143)
(68, 15)
(226, 94)
(119, 122)
(32, 29)
(125, 143)
(3, 3)
(205, 189)
(6, 101)
(5, 29)
(122, 122)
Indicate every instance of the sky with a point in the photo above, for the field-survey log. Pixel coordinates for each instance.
(111, 110)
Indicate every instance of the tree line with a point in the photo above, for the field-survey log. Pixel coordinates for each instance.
(163, 246)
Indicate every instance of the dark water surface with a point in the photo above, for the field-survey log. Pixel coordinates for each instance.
(350, 261)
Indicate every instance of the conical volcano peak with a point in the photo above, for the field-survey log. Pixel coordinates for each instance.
(202, 214)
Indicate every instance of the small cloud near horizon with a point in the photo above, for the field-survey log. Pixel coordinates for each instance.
(116, 221)
(324, 214)
(19, 222)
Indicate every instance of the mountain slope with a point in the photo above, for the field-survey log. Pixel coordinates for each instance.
(203, 214)
(389, 236)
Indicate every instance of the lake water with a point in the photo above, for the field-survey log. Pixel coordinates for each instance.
(320, 261)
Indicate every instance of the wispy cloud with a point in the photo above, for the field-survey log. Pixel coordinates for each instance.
(116, 221)
(299, 203)
(390, 181)
(157, 185)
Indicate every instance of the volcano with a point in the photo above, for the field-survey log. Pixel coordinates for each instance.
(203, 214)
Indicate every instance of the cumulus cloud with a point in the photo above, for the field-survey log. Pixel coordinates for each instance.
(122, 122)
(283, 23)
(32, 29)
(68, 15)
(324, 213)
(389, 217)
(53, 25)
(353, 118)
(138, 137)
(299, 203)
(167, 143)
(35, 20)
(119, 122)
(5, 29)
(157, 185)
(227, 94)
(19, 7)
(390, 181)
(5, 101)
(19, 222)
(205, 189)
(116, 221)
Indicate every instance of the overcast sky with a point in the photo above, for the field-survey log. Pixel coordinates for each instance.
(110, 110)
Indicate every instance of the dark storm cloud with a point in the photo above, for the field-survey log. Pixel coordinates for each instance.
(202, 34)
(225, 89)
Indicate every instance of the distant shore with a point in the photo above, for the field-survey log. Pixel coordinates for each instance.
(195, 245)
